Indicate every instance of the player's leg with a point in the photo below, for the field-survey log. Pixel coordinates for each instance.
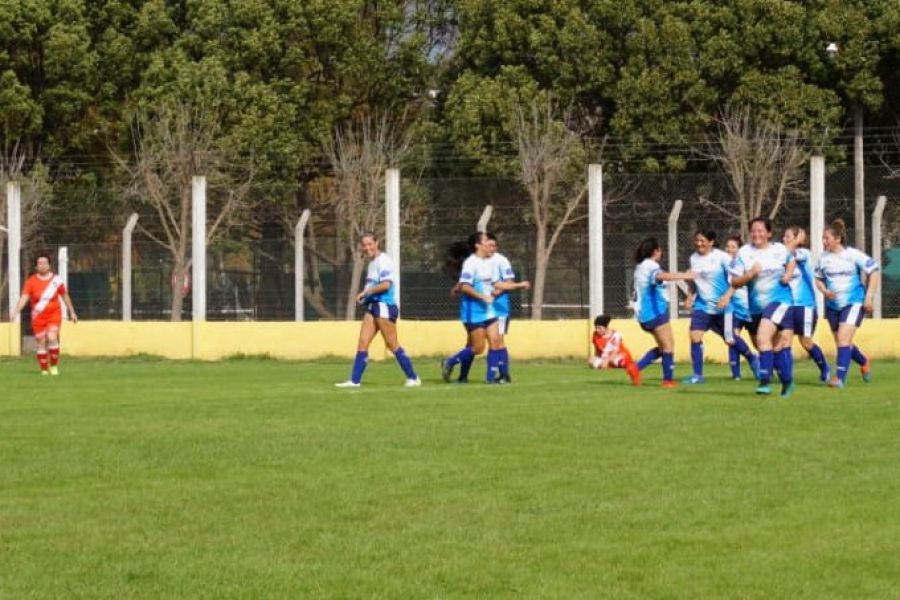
(39, 329)
(495, 342)
(53, 347)
(665, 341)
(503, 364)
(766, 331)
(699, 325)
(784, 361)
(463, 358)
(388, 328)
(367, 331)
(804, 328)
(476, 343)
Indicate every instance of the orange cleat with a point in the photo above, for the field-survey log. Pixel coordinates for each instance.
(669, 384)
(866, 372)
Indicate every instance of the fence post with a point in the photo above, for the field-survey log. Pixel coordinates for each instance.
(877, 215)
(198, 259)
(817, 216)
(299, 266)
(392, 223)
(673, 258)
(126, 266)
(484, 219)
(595, 238)
(62, 263)
(14, 264)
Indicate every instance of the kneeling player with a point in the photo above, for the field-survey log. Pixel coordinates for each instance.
(610, 352)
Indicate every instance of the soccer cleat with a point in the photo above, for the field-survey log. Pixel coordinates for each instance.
(825, 375)
(736, 378)
(764, 390)
(669, 384)
(693, 380)
(44, 372)
(347, 384)
(54, 370)
(413, 382)
(461, 381)
(836, 383)
(866, 372)
(446, 370)
(787, 390)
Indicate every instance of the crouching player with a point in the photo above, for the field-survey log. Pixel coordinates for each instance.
(610, 351)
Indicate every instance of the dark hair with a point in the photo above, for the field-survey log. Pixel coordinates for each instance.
(46, 255)
(477, 238)
(838, 229)
(646, 249)
(798, 232)
(601, 321)
(766, 223)
(454, 258)
(736, 238)
(368, 234)
(708, 234)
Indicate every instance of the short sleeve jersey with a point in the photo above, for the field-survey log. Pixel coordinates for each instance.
(479, 273)
(802, 289)
(740, 299)
(44, 294)
(381, 269)
(711, 279)
(766, 287)
(503, 271)
(650, 298)
(841, 273)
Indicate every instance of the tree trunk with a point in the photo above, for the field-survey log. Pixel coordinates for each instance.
(540, 272)
(859, 176)
(355, 274)
(178, 280)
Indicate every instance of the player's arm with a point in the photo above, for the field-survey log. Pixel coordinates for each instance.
(23, 300)
(789, 272)
(746, 277)
(873, 280)
(381, 286)
(725, 298)
(820, 285)
(509, 285)
(681, 276)
(467, 290)
(68, 302)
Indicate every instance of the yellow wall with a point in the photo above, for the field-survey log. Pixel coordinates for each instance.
(289, 340)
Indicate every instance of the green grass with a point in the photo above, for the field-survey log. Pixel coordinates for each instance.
(256, 478)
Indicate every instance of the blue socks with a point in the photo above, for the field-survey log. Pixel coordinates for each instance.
(461, 357)
(493, 366)
(359, 365)
(818, 357)
(766, 362)
(844, 354)
(405, 363)
(697, 358)
(787, 366)
(734, 361)
(668, 366)
(857, 355)
(648, 358)
(504, 363)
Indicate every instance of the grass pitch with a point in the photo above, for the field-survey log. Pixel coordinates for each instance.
(256, 478)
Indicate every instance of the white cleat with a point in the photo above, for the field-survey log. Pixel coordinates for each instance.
(413, 382)
(347, 384)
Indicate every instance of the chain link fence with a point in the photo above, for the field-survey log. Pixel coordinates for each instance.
(250, 275)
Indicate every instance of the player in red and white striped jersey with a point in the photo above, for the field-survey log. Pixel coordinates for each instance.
(610, 351)
(44, 289)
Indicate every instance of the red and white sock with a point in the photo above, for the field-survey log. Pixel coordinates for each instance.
(42, 359)
(53, 351)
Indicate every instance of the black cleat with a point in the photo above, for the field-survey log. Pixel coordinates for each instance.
(446, 370)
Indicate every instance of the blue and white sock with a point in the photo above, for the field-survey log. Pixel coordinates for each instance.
(359, 366)
(818, 357)
(697, 358)
(734, 361)
(766, 363)
(844, 354)
(648, 358)
(405, 364)
(668, 366)
(857, 355)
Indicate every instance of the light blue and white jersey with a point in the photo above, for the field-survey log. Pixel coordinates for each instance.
(711, 280)
(740, 300)
(503, 271)
(651, 298)
(478, 273)
(841, 273)
(802, 289)
(381, 269)
(766, 287)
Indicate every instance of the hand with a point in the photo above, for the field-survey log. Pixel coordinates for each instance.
(785, 280)
(722, 304)
(689, 303)
(525, 285)
(487, 298)
(360, 297)
(829, 295)
(869, 306)
(755, 269)
(74, 318)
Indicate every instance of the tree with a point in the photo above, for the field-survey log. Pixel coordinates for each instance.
(763, 164)
(172, 144)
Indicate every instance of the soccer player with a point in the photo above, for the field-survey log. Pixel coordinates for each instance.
(847, 297)
(736, 317)
(766, 268)
(651, 306)
(381, 314)
(476, 311)
(610, 350)
(44, 290)
(805, 314)
(710, 268)
(504, 282)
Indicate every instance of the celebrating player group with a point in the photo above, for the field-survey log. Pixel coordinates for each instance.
(766, 287)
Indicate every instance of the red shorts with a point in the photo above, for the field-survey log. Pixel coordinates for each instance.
(44, 322)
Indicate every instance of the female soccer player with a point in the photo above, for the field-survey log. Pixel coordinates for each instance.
(847, 297)
(736, 305)
(805, 314)
(651, 306)
(766, 267)
(381, 314)
(476, 311)
(44, 290)
(610, 351)
(710, 268)
(504, 282)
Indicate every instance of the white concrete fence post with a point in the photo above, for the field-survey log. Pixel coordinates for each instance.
(198, 248)
(595, 239)
(126, 266)
(62, 269)
(673, 257)
(877, 250)
(817, 216)
(14, 258)
(299, 265)
(484, 219)
(392, 223)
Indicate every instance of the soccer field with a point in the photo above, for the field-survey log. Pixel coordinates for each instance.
(257, 478)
